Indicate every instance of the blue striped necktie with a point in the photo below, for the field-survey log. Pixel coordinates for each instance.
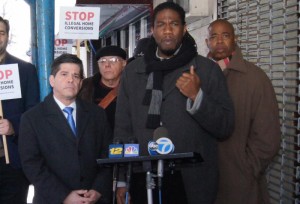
(70, 118)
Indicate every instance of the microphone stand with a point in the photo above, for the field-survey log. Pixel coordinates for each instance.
(128, 180)
(132, 140)
(160, 174)
(190, 157)
(119, 152)
(149, 181)
(115, 178)
(150, 185)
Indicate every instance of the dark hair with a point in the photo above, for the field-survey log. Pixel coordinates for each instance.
(6, 23)
(66, 58)
(169, 5)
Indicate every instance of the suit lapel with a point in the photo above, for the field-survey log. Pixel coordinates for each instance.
(82, 118)
(56, 118)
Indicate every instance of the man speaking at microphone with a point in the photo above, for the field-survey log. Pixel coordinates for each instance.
(174, 87)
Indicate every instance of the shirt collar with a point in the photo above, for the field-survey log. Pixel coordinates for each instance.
(175, 53)
(62, 106)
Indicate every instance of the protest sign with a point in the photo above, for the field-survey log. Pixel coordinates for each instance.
(79, 22)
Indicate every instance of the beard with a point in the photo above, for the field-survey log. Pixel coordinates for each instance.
(169, 52)
(168, 49)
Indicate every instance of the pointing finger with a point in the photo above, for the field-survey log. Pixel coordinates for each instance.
(192, 70)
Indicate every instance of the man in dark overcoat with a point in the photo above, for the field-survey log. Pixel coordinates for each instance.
(61, 139)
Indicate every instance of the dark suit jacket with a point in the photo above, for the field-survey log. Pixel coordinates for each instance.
(55, 161)
(14, 108)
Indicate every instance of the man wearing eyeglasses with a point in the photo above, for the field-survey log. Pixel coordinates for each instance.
(102, 88)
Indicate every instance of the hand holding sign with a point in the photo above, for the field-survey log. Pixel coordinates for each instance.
(6, 127)
(9, 89)
(4, 139)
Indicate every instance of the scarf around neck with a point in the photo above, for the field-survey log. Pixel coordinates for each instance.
(223, 63)
(156, 67)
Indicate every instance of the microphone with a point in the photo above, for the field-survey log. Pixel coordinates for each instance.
(160, 144)
(115, 151)
(164, 146)
(152, 148)
(131, 150)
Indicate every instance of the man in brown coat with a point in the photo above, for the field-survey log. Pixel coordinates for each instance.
(244, 157)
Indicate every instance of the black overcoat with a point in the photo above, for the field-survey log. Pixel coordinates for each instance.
(55, 161)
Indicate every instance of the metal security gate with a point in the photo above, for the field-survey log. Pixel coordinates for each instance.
(268, 35)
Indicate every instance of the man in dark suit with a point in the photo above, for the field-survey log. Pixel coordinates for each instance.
(59, 158)
(13, 183)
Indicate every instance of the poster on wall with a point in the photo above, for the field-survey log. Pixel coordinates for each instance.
(79, 22)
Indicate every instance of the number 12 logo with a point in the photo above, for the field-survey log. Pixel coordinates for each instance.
(117, 150)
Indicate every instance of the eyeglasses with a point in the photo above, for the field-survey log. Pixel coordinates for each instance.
(112, 60)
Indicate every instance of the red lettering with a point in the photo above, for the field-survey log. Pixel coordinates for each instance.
(90, 15)
(8, 73)
(57, 42)
(82, 16)
(60, 42)
(68, 15)
(1, 75)
(75, 15)
(63, 42)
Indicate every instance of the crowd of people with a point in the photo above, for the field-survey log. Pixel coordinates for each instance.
(219, 105)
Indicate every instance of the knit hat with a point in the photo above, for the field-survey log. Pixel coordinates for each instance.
(111, 51)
